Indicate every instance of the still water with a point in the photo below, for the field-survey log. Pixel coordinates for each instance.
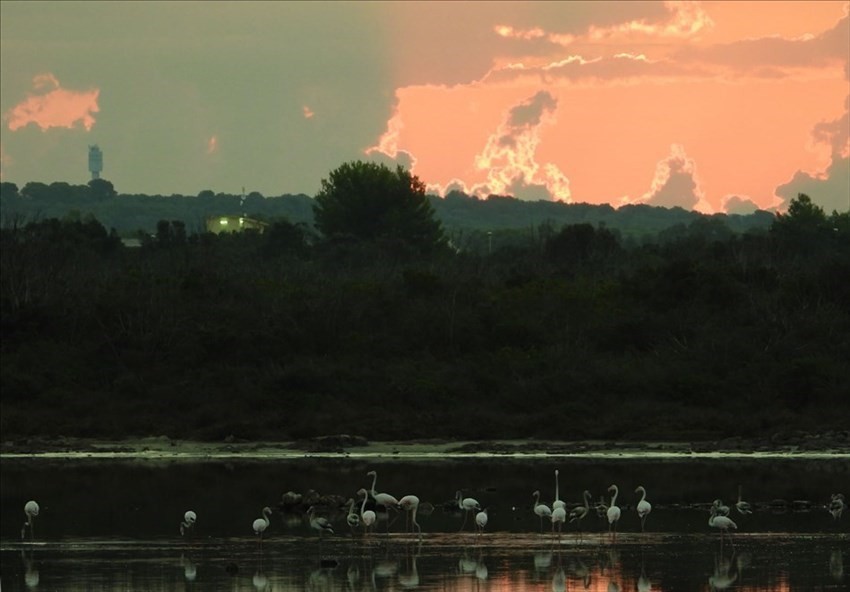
(114, 525)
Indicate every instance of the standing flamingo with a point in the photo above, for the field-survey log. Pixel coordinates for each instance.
(559, 516)
(723, 523)
(643, 506)
(613, 512)
(742, 506)
(481, 520)
(540, 509)
(410, 503)
(836, 505)
(188, 523)
(31, 510)
(578, 513)
(319, 523)
(367, 517)
(557, 503)
(467, 505)
(719, 508)
(381, 499)
(261, 524)
(353, 518)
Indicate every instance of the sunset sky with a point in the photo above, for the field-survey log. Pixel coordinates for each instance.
(713, 106)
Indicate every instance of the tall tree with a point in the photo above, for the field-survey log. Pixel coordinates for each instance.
(369, 201)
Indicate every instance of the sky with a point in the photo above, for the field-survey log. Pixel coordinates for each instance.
(714, 106)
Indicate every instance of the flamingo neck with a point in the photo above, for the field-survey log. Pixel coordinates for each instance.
(586, 499)
(614, 497)
(363, 506)
(556, 485)
(643, 492)
(374, 481)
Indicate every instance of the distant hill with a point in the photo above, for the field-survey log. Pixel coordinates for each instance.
(459, 213)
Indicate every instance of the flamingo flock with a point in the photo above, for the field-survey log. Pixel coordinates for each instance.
(558, 514)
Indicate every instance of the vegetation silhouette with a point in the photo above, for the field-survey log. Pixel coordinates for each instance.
(701, 332)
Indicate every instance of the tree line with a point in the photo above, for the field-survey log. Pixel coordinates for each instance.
(695, 332)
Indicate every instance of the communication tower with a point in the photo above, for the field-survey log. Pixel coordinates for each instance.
(95, 161)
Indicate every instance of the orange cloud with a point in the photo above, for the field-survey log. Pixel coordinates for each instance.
(212, 144)
(675, 182)
(508, 157)
(308, 113)
(50, 105)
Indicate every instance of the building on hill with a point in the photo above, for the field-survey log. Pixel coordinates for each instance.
(219, 224)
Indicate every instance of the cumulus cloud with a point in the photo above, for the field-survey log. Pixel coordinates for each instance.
(508, 157)
(675, 183)
(737, 204)
(829, 189)
(387, 150)
(49, 105)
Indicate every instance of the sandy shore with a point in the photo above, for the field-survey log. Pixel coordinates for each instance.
(830, 445)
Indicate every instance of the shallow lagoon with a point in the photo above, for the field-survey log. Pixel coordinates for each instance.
(113, 524)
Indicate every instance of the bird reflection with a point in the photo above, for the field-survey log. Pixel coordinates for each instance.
(542, 560)
(190, 570)
(559, 580)
(580, 571)
(410, 577)
(836, 565)
(31, 577)
(722, 578)
(260, 581)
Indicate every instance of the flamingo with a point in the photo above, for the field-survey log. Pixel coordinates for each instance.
(540, 509)
(367, 517)
(319, 523)
(381, 499)
(481, 520)
(723, 523)
(613, 511)
(557, 503)
(352, 517)
(643, 506)
(578, 513)
(410, 503)
(188, 523)
(559, 516)
(837, 505)
(467, 504)
(261, 524)
(719, 508)
(742, 506)
(31, 510)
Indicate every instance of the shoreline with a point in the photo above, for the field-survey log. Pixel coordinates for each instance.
(344, 446)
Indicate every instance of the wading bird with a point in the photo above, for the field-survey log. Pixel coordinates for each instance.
(613, 512)
(836, 505)
(559, 516)
(261, 524)
(722, 523)
(410, 503)
(31, 510)
(467, 505)
(557, 503)
(578, 513)
(481, 520)
(188, 523)
(381, 499)
(352, 517)
(643, 506)
(742, 506)
(367, 517)
(319, 523)
(540, 509)
(719, 508)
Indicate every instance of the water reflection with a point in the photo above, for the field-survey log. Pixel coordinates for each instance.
(77, 549)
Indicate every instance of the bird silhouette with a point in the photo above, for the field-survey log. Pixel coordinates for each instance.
(31, 510)
(541, 510)
(188, 523)
(613, 512)
(261, 524)
(643, 507)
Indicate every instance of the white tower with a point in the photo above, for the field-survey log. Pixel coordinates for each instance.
(95, 161)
